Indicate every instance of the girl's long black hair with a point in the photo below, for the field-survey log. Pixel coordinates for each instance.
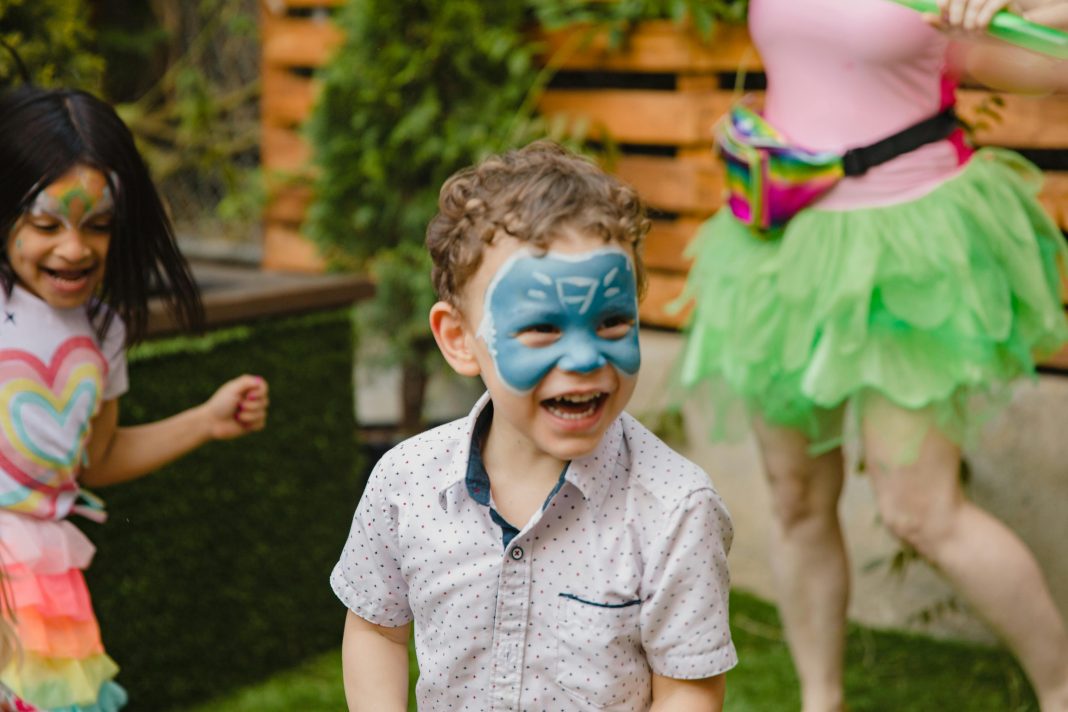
(44, 133)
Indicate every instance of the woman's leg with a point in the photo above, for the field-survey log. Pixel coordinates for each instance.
(922, 503)
(809, 561)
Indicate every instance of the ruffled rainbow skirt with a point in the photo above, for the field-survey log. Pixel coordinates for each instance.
(62, 665)
(933, 304)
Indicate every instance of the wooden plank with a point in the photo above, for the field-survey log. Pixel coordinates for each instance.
(677, 185)
(287, 98)
(240, 294)
(674, 118)
(298, 42)
(666, 244)
(659, 118)
(1058, 360)
(279, 8)
(1026, 122)
(1054, 196)
(284, 149)
(284, 248)
(288, 203)
(655, 46)
(663, 289)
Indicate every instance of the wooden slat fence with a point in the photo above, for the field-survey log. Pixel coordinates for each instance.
(298, 38)
(664, 134)
(687, 184)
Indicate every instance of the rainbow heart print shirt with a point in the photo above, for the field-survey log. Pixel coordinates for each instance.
(54, 377)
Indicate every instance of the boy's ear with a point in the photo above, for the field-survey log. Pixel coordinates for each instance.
(451, 332)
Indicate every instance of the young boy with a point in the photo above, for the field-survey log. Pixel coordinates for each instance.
(552, 553)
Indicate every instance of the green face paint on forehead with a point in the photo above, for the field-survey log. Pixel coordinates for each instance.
(76, 194)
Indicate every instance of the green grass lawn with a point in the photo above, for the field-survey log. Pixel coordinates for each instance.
(885, 672)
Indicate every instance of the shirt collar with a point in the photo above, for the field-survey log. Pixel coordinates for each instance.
(451, 484)
(591, 474)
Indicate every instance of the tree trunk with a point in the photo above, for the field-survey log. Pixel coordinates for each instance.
(414, 378)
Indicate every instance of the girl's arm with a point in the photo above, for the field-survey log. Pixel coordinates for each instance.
(121, 454)
(705, 695)
(374, 661)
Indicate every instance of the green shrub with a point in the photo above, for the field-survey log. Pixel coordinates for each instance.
(419, 89)
(52, 37)
(620, 15)
(213, 572)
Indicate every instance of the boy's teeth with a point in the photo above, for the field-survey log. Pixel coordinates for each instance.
(568, 406)
(567, 415)
(580, 398)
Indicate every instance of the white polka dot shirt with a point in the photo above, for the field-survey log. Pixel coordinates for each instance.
(622, 573)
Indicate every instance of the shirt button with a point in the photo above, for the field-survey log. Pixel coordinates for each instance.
(516, 553)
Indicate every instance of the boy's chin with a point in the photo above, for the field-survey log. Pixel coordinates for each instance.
(571, 446)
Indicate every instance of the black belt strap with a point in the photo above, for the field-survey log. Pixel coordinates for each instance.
(857, 161)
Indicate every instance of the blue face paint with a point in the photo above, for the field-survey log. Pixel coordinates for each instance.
(575, 295)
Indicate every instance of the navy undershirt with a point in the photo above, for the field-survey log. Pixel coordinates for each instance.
(478, 482)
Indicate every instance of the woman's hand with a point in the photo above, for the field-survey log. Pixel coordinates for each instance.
(968, 16)
(1052, 14)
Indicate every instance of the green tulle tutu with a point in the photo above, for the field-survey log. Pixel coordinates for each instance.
(934, 304)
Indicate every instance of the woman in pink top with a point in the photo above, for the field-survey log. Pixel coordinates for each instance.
(913, 293)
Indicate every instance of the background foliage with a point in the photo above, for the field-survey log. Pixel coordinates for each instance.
(419, 89)
(54, 39)
(183, 75)
(702, 15)
(213, 572)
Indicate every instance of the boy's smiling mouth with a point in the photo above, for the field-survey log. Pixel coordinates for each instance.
(575, 406)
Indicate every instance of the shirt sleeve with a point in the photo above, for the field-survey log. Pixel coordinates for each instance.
(684, 626)
(114, 350)
(368, 577)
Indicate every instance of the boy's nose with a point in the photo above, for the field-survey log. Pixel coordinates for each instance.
(582, 356)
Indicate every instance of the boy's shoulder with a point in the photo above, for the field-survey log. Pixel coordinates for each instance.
(430, 451)
(656, 468)
(439, 439)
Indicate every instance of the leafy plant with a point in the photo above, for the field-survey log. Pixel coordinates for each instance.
(419, 89)
(196, 112)
(621, 15)
(52, 37)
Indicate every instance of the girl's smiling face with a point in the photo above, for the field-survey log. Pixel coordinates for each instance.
(58, 248)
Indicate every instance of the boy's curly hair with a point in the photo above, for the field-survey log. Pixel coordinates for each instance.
(530, 194)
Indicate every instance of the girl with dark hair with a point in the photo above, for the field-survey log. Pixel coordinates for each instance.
(85, 240)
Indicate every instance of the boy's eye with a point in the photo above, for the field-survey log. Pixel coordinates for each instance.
(615, 327)
(538, 335)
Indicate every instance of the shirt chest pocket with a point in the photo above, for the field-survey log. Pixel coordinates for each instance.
(599, 654)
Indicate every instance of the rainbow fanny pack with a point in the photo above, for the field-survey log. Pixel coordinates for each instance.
(769, 181)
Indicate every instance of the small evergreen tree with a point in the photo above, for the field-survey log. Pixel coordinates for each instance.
(419, 89)
(53, 38)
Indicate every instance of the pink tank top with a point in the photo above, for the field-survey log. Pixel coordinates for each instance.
(847, 73)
